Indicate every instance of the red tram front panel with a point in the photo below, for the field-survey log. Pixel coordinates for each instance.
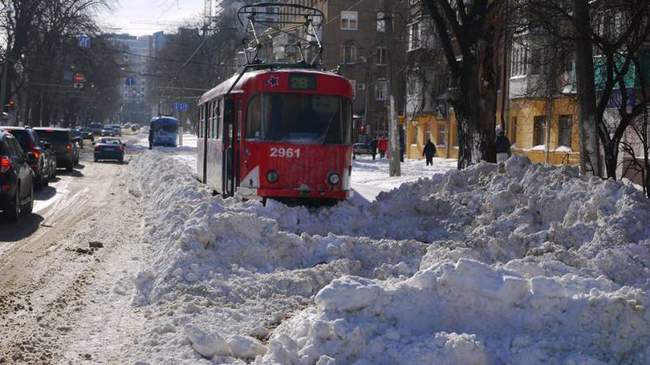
(271, 169)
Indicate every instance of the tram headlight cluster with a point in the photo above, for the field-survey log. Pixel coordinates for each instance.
(272, 176)
(334, 178)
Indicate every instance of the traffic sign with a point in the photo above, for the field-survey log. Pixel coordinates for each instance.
(181, 107)
(84, 41)
(130, 81)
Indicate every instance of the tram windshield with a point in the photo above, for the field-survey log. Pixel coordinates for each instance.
(300, 118)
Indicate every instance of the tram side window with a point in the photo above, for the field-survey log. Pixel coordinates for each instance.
(217, 116)
(254, 118)
(198, 125)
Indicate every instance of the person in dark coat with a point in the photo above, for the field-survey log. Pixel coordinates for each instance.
(373, 147)
(429, 152)
(503, 147)
(150, 138)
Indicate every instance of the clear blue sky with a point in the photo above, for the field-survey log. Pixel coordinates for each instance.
(142, 17)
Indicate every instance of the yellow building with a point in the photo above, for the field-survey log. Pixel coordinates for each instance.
(526, 128)
(441, 131)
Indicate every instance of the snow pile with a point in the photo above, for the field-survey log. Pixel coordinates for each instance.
(468, 313)
(225, 271)
(495, 264)
(540, 219)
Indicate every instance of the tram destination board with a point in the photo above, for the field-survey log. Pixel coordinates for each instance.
(302, 82)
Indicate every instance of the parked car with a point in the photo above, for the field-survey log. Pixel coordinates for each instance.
(77, 136)
(361, 148)
(109, 149)
(16, 178)
(96, 128)
(86, 133)
(49, 160)
(63, 146)
(30, 142)
(117, 129)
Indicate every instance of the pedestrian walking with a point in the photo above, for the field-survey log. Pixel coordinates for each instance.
(373, 147)
(382, 144)
(503, 147)
(429, 152)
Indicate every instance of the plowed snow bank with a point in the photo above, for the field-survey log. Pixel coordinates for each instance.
(518, 264)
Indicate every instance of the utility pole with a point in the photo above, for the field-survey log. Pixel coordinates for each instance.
(393, 128)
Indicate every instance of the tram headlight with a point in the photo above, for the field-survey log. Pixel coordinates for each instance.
(334, 178)
(272, 176)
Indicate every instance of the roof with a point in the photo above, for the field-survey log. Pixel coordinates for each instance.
(223, 88)
(164, 119)
(52, 129)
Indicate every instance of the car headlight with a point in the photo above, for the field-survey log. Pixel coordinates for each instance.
(272, 176)
(334, 178)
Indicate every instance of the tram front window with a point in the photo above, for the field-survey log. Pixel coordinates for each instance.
(300, 118)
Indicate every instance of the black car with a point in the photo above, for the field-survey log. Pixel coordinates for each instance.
(96, 128)
(16, 178)
(109, 148)
(86, 133)
(30, 142)
(63, 146)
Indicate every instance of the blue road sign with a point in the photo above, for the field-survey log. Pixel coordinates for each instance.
(130, 81)
(84, 41)
(181, 107)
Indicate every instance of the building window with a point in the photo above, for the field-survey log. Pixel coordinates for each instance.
(519, 61)
(442, 135)
(381, 90)
(539, 135)
(566, 124)
(535, 61)
(514, 130)
(361, 86)
(382, 55)
(349, 20)
(348, 53)
(414, 36)
(381, 22)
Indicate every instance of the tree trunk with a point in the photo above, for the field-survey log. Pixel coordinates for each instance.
(475, 102)
(590, 162)
(611, 158)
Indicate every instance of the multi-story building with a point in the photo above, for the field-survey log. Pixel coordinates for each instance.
(428, 114)
(537, 84)
(136, 52)
(363, 41)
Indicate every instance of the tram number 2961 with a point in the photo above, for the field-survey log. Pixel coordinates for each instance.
(281, 152)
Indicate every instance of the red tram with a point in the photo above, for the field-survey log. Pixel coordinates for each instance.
(277, 133)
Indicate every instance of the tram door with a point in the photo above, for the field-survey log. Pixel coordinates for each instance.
(228, 137)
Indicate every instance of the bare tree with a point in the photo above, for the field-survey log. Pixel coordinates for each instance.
(612, 32)
(469, 32)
